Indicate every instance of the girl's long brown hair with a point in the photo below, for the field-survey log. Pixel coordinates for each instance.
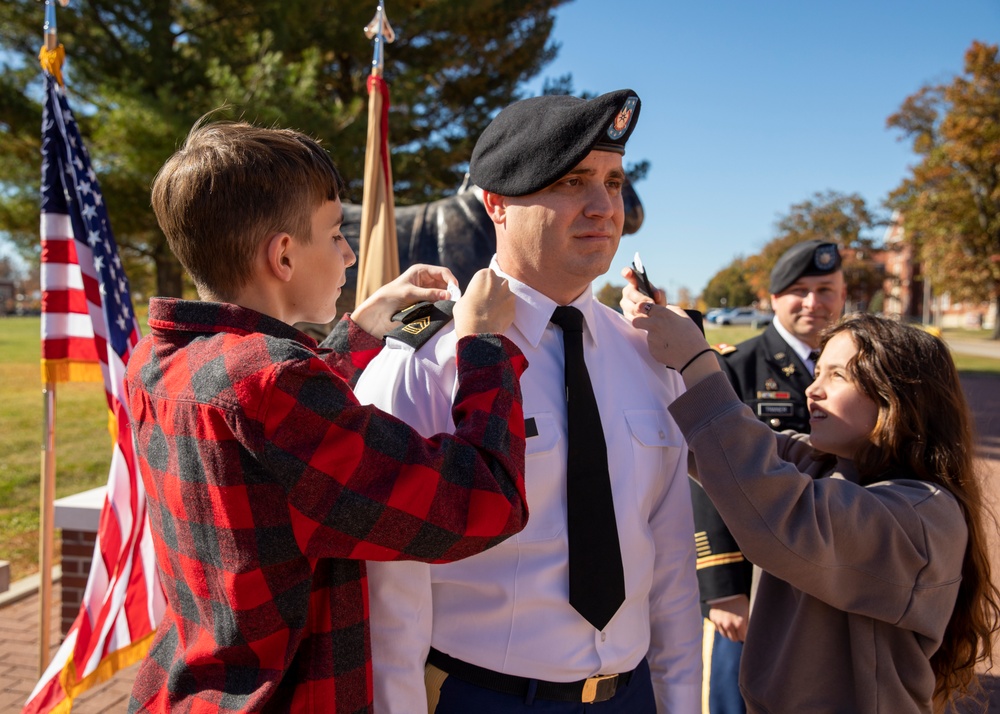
(924, 431)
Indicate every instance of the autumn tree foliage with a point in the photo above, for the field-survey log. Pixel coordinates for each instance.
(610, 295)
(950, 205)
(141, 72)
(729, 286)
(844, 219)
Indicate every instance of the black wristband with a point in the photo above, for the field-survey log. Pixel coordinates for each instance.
(688, 363)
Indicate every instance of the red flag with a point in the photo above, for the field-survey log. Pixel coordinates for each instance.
(89, 328)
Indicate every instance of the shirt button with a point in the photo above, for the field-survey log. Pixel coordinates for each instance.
(662, 435)
(775, 423)
(604, 636)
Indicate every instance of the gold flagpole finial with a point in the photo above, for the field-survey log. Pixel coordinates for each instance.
(52, 54)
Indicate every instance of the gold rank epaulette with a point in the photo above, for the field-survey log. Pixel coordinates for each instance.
(421, 321)
(723, 349)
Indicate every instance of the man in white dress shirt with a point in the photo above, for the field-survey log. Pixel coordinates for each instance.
(498, 629)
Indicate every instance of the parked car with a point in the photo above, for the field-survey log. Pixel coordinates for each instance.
(713, 314)
(744, 316)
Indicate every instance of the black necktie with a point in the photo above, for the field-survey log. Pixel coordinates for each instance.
(596, 577)
(813, 356)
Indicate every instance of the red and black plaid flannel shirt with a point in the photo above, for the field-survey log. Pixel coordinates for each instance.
(269, 485)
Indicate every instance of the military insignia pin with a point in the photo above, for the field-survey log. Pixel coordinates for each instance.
(825, 256)
(417, 326)
(788, 369)
(770, 385)
(622, 119)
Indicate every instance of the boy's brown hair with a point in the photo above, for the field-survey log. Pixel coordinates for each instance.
(232, 186)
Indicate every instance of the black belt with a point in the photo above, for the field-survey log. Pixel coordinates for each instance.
(598, 688)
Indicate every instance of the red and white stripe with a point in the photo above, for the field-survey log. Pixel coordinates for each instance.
(123, 601)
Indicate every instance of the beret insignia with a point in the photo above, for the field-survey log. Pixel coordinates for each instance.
(622, 119)
(825, 256)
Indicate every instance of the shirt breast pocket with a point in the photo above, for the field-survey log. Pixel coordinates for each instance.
(544, 482)
(656, 446)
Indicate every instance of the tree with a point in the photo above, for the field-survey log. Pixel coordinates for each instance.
(610, 295)
(142, 71)
(831, 216)
(950, 204)
(729, 287)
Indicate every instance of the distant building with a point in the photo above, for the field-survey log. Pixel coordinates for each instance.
(903, 287)
(910, 298)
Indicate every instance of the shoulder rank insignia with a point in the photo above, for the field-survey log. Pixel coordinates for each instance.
(723, 349)
(421, 321)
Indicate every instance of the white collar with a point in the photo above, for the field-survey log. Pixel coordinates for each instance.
(533, 310)
(798, 346)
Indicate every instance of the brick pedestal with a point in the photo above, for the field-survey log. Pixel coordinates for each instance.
(77, 552)
(78, 516)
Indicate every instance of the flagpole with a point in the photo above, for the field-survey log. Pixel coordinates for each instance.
(378, 248)
(45, 522)
(46, 516)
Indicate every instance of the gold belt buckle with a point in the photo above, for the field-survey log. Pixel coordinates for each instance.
(599, 688)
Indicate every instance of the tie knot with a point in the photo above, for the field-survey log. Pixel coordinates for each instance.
(568, 318)
(814, 355)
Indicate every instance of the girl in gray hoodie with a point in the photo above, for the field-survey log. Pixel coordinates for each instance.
(875, 595)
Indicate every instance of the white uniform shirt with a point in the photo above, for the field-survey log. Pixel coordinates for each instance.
(507, 609)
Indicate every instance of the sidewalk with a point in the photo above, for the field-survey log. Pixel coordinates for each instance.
(978, 348)
(19, 628)
(19, 661)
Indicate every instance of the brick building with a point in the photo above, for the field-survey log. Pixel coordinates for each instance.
(911, 298)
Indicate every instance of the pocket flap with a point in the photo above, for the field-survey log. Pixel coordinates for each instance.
(653, 428)
(547, 434)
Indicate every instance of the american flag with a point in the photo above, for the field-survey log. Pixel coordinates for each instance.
(88, 320)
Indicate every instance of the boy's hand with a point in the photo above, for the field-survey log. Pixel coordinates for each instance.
(487, 306)
(418, 284)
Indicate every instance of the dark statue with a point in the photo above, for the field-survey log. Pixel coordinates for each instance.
(454, 232)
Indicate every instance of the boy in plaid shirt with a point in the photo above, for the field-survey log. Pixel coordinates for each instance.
(267, 484)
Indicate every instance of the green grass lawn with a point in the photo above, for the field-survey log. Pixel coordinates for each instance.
(83, 446)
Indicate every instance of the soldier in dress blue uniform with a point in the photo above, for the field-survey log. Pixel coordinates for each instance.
(770, 372)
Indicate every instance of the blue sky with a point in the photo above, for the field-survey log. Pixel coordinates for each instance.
(749, 107)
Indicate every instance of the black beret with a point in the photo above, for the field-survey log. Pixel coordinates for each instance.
(812, 257)
(534, 142)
